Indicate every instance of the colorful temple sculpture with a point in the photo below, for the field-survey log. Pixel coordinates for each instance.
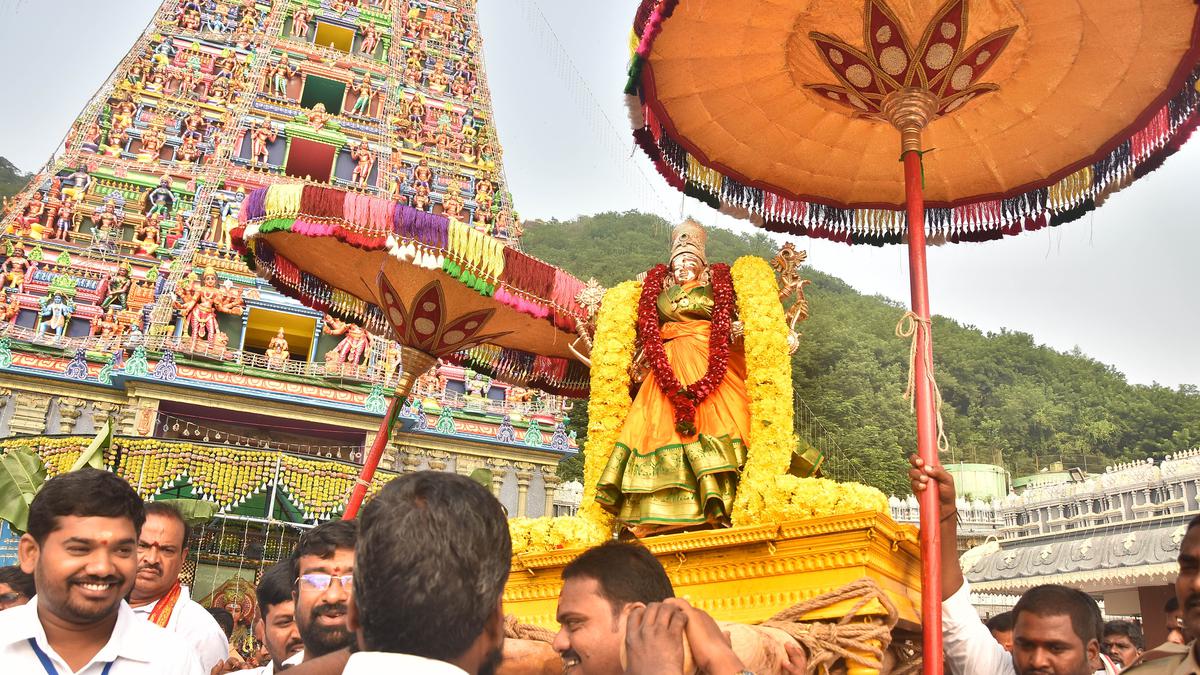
(124, 301)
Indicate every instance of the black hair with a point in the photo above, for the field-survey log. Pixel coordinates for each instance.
(170, 511)
(1194, 522)
(1172, 605)
(18, 580)
(275, 586)
(323, 541)
(1055, 600)
(625, 573)
(224, 620)
(1001, 623)
(1127, 628)
(86, 493)
(432, 559)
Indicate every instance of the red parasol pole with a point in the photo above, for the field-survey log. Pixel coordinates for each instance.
(910, 110)
(413, 364)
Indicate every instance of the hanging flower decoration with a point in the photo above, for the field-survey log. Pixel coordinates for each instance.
(684, 399)
(768, 386)
(612, 354)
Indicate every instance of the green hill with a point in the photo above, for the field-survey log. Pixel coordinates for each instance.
(1007, 399)
(11, 178)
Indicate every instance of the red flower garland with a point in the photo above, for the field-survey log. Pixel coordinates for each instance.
(685, 399)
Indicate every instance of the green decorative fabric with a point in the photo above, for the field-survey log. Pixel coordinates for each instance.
(675, 484)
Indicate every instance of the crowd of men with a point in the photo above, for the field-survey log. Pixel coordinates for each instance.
(415, 585)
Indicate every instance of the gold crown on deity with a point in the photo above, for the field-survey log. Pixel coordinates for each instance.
(689, 237)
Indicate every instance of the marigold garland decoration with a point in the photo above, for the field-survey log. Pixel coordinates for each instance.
(608, 406)
(768, 386)
(685, 399)
(226, 476)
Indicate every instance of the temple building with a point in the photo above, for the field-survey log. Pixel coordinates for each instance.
(1116, 534)
(125, 307)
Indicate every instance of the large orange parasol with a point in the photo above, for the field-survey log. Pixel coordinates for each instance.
(1012, 115)
(439, 287)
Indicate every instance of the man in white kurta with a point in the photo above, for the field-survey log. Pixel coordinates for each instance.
(158, 596)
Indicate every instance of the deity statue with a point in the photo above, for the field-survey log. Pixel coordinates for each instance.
(189, 150)
(224, 224)
(218, 95)
(122, 114)
(194, 126)
(362, 88)
(54, 313)
(352, 348)
(421, 200)
(277, 350)
(280, 75)
(118, 289)
(439, 81)
(370, 39)
(452, 203)
(200, 306)
(153, 141)
(10, 308)
(90, 140)
(107, 328)
(29, 222)
(161, 200)
(677, 459)
(391, 361)
(423, 175)
(147, 240)
(116, 142)
(318, 117)
(300, 19)
(16, 268)
(364, 160)
(261, 134)
(64, 219)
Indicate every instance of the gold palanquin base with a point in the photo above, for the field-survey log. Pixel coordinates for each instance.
(748, 574)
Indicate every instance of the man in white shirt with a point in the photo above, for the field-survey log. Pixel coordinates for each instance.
(276, 621)
(1056, 630)
(157, 593)
(432, 558)
(81, 547)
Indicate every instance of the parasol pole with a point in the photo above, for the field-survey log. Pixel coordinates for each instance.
(413, 364)
(909, 110)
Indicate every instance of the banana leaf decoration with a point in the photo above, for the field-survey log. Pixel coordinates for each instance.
(194, 511)
(22, 474)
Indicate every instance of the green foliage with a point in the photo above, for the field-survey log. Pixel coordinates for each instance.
(1007, 399)
(12, 180)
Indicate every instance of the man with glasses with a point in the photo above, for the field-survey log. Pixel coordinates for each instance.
(323, 566)
(16, 587)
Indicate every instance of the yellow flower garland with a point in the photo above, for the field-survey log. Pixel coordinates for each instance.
(608, 406)
(612, 354)
(768, 386)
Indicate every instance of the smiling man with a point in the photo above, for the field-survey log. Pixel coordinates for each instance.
(158, 595)
(81, 547)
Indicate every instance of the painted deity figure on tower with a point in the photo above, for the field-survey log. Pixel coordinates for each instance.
(352, 348)
(54, 313)
(300, 19)
(364, 161)
(677, 459)
(261, 134)
(277, 350)
(15, 269)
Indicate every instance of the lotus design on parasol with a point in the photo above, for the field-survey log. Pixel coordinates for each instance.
(890, 63)
(426, 324)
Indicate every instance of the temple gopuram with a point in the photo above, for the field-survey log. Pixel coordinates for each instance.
(124, 306)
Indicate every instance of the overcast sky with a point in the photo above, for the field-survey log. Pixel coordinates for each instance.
(1120, 283)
